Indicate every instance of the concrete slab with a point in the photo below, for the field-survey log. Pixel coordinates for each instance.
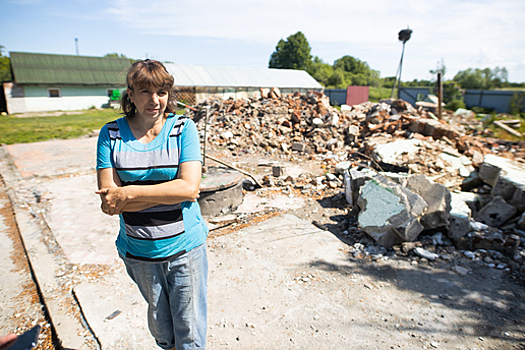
(262, 262)
(115, 311)
(252, 203)
(260, 274)
(55, 157)
(46, 265)
(85, 234)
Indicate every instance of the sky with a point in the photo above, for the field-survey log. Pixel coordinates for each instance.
(460, 34)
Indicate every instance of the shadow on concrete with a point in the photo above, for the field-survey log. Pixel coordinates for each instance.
(494, 305)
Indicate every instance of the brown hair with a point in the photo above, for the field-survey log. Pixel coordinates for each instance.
(147, 73)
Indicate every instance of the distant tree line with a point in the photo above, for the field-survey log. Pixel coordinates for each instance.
(294, 53)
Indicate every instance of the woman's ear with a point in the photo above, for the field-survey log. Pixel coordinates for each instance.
(130, 94)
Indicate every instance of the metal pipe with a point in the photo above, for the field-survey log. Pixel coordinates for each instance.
(235, 168)
(185, 105)
(205, 137)
(440, 94)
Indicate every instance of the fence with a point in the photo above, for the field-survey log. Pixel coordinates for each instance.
(352, 95)
(490, 99)
(497, 100)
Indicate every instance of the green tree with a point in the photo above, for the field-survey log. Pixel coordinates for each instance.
(320, 71)
(356, 71)
(451, 92)
(116, 55)
(5, 67)
(517, 103)
(339, 79)
(352, 65)
(482, 78)
(292, 53)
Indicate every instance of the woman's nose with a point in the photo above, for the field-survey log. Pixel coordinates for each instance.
(155, 97)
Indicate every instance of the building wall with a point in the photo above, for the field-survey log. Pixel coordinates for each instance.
(23, 99)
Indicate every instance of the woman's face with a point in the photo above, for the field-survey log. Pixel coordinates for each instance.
(150, 101)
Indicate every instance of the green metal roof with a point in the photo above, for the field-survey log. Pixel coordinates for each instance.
(36, 68)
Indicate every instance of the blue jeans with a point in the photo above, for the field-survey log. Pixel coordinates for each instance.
(176, 293)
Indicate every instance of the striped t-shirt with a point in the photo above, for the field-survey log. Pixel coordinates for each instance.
(162, 232)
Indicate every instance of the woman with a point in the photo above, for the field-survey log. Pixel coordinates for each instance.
(149, 171)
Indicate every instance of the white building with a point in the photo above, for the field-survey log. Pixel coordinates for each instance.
(46, 82)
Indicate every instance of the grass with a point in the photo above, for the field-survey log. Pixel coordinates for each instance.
(375, 94)
(488, 123)
(66, 126)
(17, 129)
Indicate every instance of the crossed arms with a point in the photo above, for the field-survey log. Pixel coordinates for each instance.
(117, 199)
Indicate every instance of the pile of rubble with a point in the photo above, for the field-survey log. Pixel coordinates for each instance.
(307, 123)
(405, 172)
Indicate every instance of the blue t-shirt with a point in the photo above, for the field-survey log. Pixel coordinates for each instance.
(162, 232)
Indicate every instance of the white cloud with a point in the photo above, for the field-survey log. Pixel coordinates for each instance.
(464, 33)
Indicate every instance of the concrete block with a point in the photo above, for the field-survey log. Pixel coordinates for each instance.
(389, 152)
(496, 212)
(437, 198)
(341, 167)
(507, 179)
(471, 182)
(389, 213)
(278, 170)
(348, 187)
(354, 179)
(298, 146)
(431, 128)
(489, 173)
(518, 199)
(460, 213)
(477, 158)
(503, 188)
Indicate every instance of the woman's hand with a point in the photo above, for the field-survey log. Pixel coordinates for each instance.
(114, 199)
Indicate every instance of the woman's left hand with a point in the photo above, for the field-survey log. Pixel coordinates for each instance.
(113, 200)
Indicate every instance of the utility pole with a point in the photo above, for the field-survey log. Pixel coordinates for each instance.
(76, 45)
(404, 36)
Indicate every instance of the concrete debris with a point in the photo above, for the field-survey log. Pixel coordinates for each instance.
(436, 196)
(496, 212)
(425, 253)
(507, 179)
(460, 270)
(462, 204)
(390, 213)
(405, 173)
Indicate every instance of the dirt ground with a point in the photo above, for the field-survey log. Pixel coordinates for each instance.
(387, 301)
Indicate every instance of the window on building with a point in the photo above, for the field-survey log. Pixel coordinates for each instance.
(53, 92)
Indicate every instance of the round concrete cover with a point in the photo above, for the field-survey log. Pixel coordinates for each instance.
(216, 178)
